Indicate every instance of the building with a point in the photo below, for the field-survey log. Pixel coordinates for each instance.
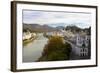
(55, 33)
(81, 42)
(82, 39)
(27, 35)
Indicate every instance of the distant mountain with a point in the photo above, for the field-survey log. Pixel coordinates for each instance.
(38, 28)
(60, 27)
(57, 24)
(87, 30)
(76, 29)
(73, 28)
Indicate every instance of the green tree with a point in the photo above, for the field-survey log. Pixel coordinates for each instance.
(56, 50)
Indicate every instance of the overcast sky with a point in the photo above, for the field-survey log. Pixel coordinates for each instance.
(55, 19)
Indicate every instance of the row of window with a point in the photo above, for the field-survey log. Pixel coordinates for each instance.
(83, 54)
(82, 39)
(83, 50)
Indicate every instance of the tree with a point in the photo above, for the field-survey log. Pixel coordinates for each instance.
(55, 50)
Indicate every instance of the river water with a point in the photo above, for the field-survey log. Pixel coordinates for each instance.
(33, 50)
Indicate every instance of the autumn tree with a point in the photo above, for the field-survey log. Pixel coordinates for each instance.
(55, 50)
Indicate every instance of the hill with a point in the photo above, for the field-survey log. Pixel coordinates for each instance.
(38, 28)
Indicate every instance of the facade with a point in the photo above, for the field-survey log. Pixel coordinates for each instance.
(81, 42)
(82, 39)
(55, 33)
(28, 35)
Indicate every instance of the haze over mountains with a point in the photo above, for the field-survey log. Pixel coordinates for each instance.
(50, 28)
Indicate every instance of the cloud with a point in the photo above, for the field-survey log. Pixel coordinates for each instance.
(44, 17)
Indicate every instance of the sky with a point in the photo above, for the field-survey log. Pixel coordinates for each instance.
(54, 19)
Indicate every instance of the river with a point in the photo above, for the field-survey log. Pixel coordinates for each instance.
(33, 50)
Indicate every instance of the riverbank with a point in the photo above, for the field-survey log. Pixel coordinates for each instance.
(33, 51)
(25, 42)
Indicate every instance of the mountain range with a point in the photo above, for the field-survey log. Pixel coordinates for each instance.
(48, 28)
(39, 28)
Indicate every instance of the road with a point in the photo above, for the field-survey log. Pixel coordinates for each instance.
(75, 49)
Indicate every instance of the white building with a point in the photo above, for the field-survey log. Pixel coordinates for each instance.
(82, 42)
(28, 35)
(55, 33)
(82, 39)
